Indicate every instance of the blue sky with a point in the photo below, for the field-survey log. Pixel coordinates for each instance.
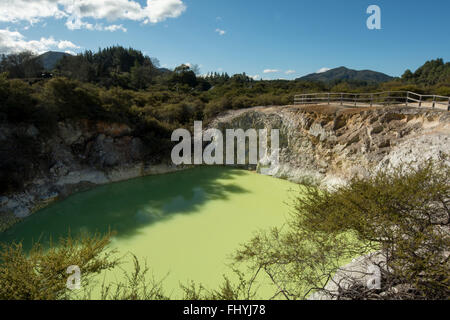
(289, 38)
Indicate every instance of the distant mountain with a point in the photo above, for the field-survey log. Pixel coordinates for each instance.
(164, 70)
(51, 58)
(343, 73)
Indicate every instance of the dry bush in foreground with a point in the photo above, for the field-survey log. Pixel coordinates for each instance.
(41, 274)
(403, 215)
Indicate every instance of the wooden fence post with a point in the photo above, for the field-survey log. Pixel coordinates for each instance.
(407, 97)
(371, 100)
(328, 98)
(420, 102)
(448, 109)
(434, 102)
(342, 99)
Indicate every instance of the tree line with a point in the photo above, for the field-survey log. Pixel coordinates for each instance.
(129, 68)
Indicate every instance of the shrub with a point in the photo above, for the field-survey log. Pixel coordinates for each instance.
(242, 102)
(215, 107)
(443, 91)
(72, 100)
(404, 214)
(180, 113)
(41, 273)
(16, 100)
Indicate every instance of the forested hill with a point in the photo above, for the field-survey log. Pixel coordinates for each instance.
(431, 73)
(345, 74)
(50, 59)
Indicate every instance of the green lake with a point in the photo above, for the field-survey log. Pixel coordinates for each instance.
(185, 224)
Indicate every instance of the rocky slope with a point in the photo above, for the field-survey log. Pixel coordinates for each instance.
(329, 145)
(325, 144)
(78, 156)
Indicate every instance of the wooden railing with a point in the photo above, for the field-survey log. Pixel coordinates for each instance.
(387, 98)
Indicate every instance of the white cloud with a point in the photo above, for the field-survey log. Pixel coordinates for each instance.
(220, 31)
(14, 41)
(75, 12)
(255, 77)
(160, 10)
(78, 24)
(271, 71)
(115, 27)
(322, 70)
(64, 44)
(31, 11)
(290, 72)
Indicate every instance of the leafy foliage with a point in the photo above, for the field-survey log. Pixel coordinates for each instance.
(41, 273)
(135, 286)
(431, 73)
(21, 65)
(404, 214)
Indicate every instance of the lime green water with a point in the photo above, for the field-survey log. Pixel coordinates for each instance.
(185, 224)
